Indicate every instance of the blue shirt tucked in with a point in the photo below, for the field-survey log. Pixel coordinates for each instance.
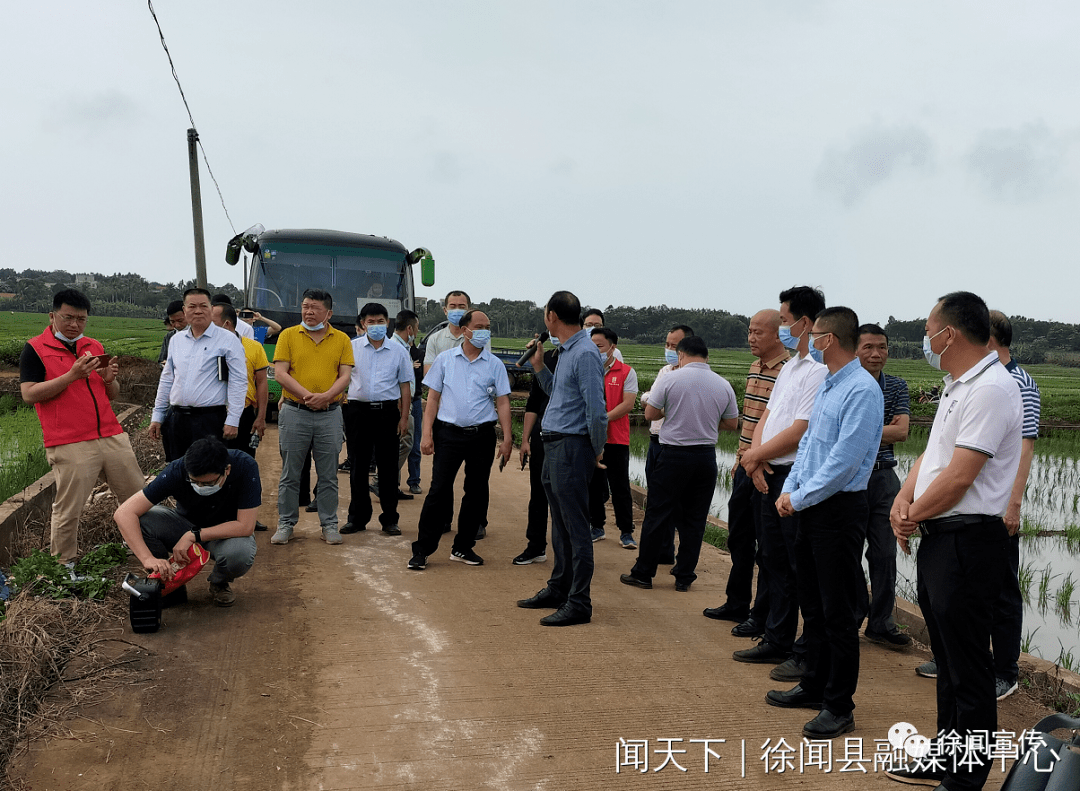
(467, 388)
(837, 452)
(379, 372)
(577, 404)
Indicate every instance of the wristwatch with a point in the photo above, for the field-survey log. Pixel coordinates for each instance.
(197, 532)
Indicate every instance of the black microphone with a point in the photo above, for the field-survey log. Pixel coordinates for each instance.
(531, 350)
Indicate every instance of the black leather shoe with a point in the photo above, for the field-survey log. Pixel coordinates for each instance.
(827, 725)
(630, 579)
(896, 639)
(794, 698)
(349, 527)
(725, 612)
(542, 600)
(259, 526)
(390, 530)
(764, 653)
(312, 508)
(403, 495)
(565, 616)
(682, 587)
(748, 628)
(921, 777)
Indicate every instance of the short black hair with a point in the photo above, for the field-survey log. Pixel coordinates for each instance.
(320, 295)
(803, 301)
(1001, 328)
(72, 297)
(608, 333)
(372, 309)
(873, 329)
(686, 331)
(566, 307)
(593, 312)
(200, 291)
(205, 456)
(449, 294)
(693, 346)
(228, 312)
(843, 323)
(220, 299)
(968, 313)
(405, 318)
(176, 306)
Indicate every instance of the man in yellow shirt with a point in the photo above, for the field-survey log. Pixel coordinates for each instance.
(253, 418)
(312, 363)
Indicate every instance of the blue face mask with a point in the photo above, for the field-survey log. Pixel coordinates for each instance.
(312, 328)
(554, 341)
(790, 341)
(480, 338)
(376, 332)
(817, 355)
(671, 356)
(454, 316)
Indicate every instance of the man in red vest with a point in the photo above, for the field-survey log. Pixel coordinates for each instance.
(70, 382)
(620, 392)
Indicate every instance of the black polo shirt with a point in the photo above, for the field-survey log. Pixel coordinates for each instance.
(242, 489)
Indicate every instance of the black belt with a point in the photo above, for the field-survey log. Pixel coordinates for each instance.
(373, 404)
(884, 465)
(306, 408)
(654, 438)
(466, 430)
(555, 436)
(197, 410)
(952, 524)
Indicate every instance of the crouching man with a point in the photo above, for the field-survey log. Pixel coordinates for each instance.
(217, 493)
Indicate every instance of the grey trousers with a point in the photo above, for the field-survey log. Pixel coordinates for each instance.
(162, 528)
(301, 431)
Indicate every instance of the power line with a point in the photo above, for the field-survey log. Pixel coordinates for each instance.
(172, 66)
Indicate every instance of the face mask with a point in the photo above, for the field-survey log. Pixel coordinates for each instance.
(312, 328)
(376, 332)
(933, 359)
(790, 341)
(480, 338)
(61, 337)
(205, 491)
(454, 316)
(554, 341)
(817, 355)
(671, 356)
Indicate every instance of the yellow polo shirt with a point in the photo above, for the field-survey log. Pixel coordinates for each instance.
(255, 356)
(314, 365)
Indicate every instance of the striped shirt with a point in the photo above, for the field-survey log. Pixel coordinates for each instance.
(837, 452)
(1029, 392)
(759, 385)
(897, 402)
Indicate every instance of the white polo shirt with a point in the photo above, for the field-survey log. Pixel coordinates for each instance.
(792, 399)
(982, 410)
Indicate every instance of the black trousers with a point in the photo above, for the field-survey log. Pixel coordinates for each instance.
(182, 427)
(778, 554)
(744, 521)
(683, 482)
(537, 526)
(959, 579)
(475, 448)
(828, 552)
(878, 604)
(667, 540)
(242, 440)
(369, 430)
(1006, 633)
(617, 477)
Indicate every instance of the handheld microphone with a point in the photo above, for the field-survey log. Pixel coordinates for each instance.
(530, 350)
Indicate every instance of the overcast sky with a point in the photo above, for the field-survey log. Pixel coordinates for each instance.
(698, 154)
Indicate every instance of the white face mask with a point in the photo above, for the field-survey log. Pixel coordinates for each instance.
(313, 328)
(61, 337)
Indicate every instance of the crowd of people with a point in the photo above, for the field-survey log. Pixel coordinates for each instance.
(814, 485)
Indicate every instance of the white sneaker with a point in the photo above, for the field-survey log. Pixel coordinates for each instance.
(282, 535)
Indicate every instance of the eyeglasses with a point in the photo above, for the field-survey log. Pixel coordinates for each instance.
(214, 482)
(71, 319)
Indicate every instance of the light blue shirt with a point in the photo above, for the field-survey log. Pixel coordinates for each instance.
(405, 346)
(190, 375)
(837, 452)
(468, 388)
(577, 404)
(378, 374)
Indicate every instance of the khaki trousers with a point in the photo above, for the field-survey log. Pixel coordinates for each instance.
(76, 468)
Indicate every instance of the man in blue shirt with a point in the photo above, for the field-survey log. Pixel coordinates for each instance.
(468, 391)
(218, 493)
(574, 432)
(376, 415)
(827, 486)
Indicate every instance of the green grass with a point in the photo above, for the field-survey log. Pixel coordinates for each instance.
(22, 457)
(120, 336)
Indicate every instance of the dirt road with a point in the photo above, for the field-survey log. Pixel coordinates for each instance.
(340, 669)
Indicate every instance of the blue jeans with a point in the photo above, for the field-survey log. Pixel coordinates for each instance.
(414, 454)
(162, 528)
(568, 468)
(301, 432)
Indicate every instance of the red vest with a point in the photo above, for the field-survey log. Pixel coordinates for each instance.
(82, 411)
(618, 432)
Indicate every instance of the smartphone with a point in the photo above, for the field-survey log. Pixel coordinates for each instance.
(103, 359)
(502, 463)
(246, 314)
(524, 460)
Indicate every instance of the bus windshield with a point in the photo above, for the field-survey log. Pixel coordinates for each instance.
(352, 275)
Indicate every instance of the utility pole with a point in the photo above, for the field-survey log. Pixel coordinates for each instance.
(196, 209)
